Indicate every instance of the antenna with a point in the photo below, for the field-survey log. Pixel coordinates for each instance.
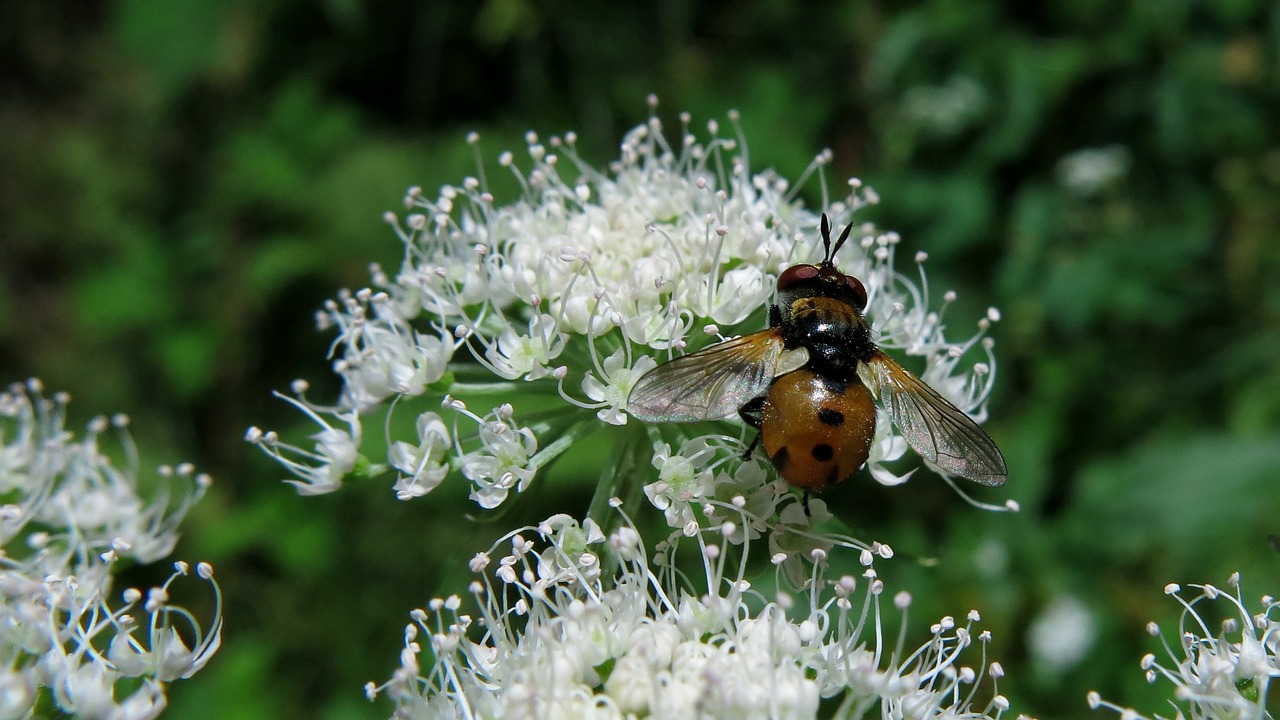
(843, 236)
(826, 240)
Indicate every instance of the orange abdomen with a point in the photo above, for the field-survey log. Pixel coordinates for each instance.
(817, 431)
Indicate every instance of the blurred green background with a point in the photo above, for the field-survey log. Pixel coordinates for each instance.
(183, 182)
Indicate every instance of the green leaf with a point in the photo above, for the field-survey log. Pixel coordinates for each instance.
(1184, 495)
(189, 355)
(174, 39)
(131, 292)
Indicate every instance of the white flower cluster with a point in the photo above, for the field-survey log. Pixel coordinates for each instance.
(1222, 674)
(574, 290)
(556, 635)
(70, 516)
(551, 307)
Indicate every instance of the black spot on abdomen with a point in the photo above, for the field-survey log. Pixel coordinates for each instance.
(833, 477)
(827, 416)
(823, 452)
(780, 458)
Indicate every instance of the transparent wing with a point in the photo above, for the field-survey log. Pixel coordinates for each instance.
(941, 432)
(711, 383)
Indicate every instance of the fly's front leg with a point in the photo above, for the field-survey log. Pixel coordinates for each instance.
(752, 414)
(775, 316)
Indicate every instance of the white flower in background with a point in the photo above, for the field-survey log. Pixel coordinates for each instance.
(71, 515)
(948, 109)
(1062, 634)
(566, 295)
(548, 635)
(1089, 171)
(1225, 673)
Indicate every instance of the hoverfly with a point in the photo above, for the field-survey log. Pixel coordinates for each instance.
(809, 383)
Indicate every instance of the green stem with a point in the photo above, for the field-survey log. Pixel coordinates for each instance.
(619, 478)
(490, 388)
(607, 484)
(575, 432)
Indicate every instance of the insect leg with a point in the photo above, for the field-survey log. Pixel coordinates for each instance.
(804, 500)
(752, 414)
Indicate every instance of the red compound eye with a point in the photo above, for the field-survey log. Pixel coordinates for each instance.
(859, 291)
(795, 274)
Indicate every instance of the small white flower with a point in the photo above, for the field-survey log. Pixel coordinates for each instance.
(748, 487)
(733, 297)
(336, 451)
(17, 693)
(501, 464)
(684, 478)
(86, 690)
(514, 355)
(614, 386)
(887, 446)
(146, 703)
(422, 466)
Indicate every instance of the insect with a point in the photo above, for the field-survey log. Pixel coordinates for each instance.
(809, 384)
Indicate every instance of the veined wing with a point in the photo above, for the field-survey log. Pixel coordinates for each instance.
(941, 432)
(711, 383)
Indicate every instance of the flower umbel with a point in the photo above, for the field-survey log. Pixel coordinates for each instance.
(565, 296)
(1222, 674)
(72, 514)
(553, 636)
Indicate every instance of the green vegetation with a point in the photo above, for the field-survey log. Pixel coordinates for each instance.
(183, 183)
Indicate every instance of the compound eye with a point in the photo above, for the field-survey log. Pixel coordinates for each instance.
(859, 291)
(795, 274)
